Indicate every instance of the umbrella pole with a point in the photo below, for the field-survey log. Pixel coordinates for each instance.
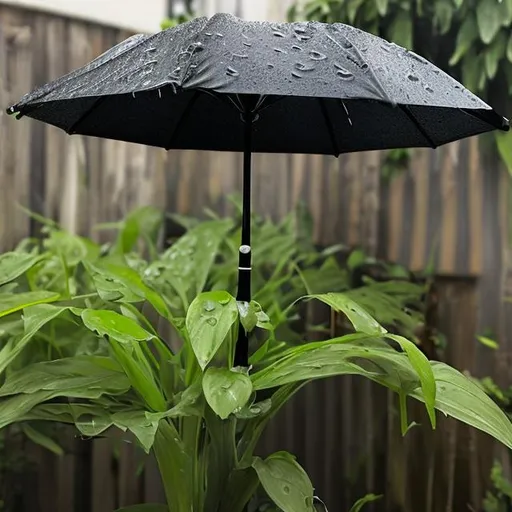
(244, 255)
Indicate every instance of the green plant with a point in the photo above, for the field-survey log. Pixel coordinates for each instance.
(470, 39)
(97, 361)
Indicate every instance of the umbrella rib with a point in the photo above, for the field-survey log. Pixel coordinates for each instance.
(330, 126)
(86, 114)
(420, 128)
(182, 119)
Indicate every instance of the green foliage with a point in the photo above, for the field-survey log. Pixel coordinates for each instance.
(97, 360)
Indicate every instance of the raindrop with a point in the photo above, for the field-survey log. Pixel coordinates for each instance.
(133, 94)
(159, 93)
(299, 30)
(346, 112)
(270, 66)
(255, 409)
(224, 301)
(417, 57)
(314, 55)
(246, 43)
(347, 44)
(240, 56)
(412, 78)
(345, 74)
(279, 50)
(209, 305)
(218, 34)
(385, 47)
(296, 75)
(212, 322)
(277, 33)
(286, 489)
(232, 72)
(152, 49)
(429, 89)
(365, 66)
(225, 386)
(209, 34)
(302, 67)
(296, 48)
(457, 86)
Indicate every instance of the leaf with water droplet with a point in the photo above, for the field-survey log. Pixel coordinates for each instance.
(248, 317)
(209, 320)
(285, 481)
(226, 390)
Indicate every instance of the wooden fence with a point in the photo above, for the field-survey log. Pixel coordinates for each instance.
(449, 207)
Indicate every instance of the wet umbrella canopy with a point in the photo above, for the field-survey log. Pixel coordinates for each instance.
(231, 85)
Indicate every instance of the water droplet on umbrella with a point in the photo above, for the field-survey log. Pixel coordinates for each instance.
(296, 75)
(302, 67)
(299, 30)
(209, 305)
(218, 34)
(346, 44)
(240, 56)
(212, 322)
(279, 50)
(296, 48)
(385, 47)
(270, 66)
(457, 86)
(314, 55)
(152, 49)
(412, 78)
(277, 33)
(232, 72)
(246, 43)
(209, 34)
(345, 74)
(365, 66)
(428, 88)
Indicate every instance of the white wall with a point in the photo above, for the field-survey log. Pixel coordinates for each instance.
(258, 10)
(138, 15)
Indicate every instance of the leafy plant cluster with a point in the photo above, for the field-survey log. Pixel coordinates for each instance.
(499, 497)
(470, 39)
(87, 338)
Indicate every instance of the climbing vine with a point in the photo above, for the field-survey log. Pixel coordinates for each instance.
(470, 39)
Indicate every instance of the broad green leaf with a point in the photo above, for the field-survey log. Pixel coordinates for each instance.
(382, 7)
(371, 358)
(175, 465)
(472, 70)
(34, 318)
(400, 30)
(504, 141)
(14, 264)
(12, 302)
(139, 425)
(190, 259)
(488, 342)
(209, 320)
(459, 397)
(80, 374)
(112, 324)
(144, 221)
(468, 33)
(131, 280)
(443, 13)
(41, 439)
(242, 485)
(369, 498)
(356, 259)
(358, 317)
(509, 49)
(352, 9)
(226, 390)
(286, 483)
(144, 508)
(248, 315)
(422, 366)
(72, 248)
(488, 15)
(126, 337)
(495, 53)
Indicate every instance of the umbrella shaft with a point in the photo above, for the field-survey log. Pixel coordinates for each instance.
(244, 255)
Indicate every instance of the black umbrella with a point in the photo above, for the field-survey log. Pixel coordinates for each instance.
(232, 85)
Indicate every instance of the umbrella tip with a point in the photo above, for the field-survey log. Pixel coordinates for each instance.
(505, 124)
(14, 111)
